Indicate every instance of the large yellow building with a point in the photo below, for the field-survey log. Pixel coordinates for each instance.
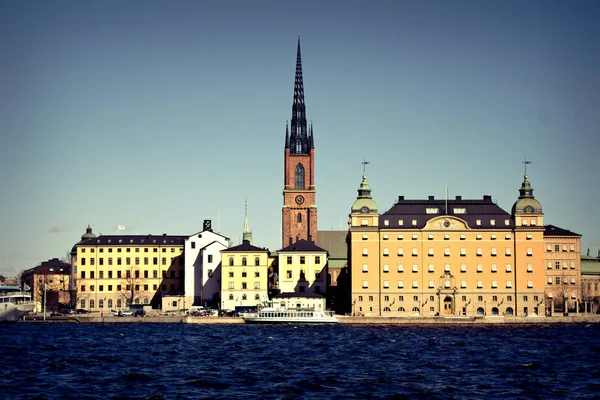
(447, 257)
(112, 272)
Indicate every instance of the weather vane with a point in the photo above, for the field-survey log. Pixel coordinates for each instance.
(526, 162)
(364, 163)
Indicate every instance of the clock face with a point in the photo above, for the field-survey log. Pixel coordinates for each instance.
(364, 209)
(447, 223)
(528, 209)
(299, 199)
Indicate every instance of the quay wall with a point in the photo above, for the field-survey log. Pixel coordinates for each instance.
(343, 320)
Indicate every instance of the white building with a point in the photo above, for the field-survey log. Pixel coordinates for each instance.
(302, 268)
(202, 280)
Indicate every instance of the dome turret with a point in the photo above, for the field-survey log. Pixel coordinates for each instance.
(527, 203)
(88, 234)
(364, 203)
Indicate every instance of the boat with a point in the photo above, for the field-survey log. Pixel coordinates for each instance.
(14, 303)
(283, 316)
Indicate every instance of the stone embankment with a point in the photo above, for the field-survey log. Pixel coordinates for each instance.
(182, 319)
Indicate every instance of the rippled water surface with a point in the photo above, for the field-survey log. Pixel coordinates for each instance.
(156, 361)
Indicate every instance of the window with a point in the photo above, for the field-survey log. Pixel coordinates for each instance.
(256, 285)
(118, 260)
(529, 268)
(430, 236)
(299, 176)
(245, 296)
(400, 267)
(386, 298)
(479, 268)
(463, 237)
(479, 252)
(431, 210)
(288, 274)
(415, 298)
(193, 244)
(494, 269)
(365, 237)
(508, 268)
(91, 274)
(463, 284)
(463, 252)
(508, 284)
(447, 252)
(365, 268)
(414, 222)
(317, 259)
(289, 260)
(400, 252)
(386, 268)
(528, 237)
(494, 284)
(493, 237)
(360, 298)
(530, 284)
(557, 247)
(446, 267)
(365, 251)
(431, 284)
(364, 222)
(317, 274)
(83, 288)
(244, 285)
(478, 222)
(231, 274)
(386, 252)
(507, 236)
(463, 267)
(558, 280)
(146, 261)
(210, 273)
(386, 284)
(401, 284)
(210, 258)
(230, 261)
(400, 237)
(415, 284)
(557, 265)
(494, 252)
(431, 268)
(529, 252)
(299, 218)
(371, 299)
(386, 222)
(415, 268)
(101, 261)
(244, 261)
(365, 284)
(572, 264)
(477, 237)
(508, 251)
(256, 261)
(257, 274)
(446, 237)
(244, 274)
(82, 274)
(479, 298)
(430, 252)
(415, 251)
(415, 237)
(109, 260)
(479, 284)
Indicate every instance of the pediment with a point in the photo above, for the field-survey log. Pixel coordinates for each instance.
(446, 223)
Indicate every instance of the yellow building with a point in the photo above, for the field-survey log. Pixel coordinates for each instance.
(563, 269)
(244, 273)
(111, 272)
(441, 257)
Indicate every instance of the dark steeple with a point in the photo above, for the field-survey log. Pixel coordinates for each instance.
(299, 141)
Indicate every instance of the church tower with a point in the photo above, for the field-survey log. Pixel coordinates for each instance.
(299, 212)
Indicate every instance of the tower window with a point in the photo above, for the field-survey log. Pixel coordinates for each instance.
(299, 218)
(299, 176)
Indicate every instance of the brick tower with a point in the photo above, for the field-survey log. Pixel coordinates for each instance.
(299, 212)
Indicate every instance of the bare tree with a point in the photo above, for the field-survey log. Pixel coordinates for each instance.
(130, 290)
(563, 290)
(586, 295)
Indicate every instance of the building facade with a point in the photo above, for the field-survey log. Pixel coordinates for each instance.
(202, 254)
(49, 283)
(302, 268)
(563, 270)
(299, 212)
(112, 272)
(590, 282)
(244, 277)
(440, 257)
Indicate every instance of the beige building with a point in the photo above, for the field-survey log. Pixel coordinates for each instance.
(111, 272)
(447, 257)
(244, 277)
(590, 283)
(49, 284)
(563, 270)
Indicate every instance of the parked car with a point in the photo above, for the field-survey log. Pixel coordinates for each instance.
(126, 313)
(82, 311)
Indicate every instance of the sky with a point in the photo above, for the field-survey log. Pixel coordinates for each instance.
(158, 115)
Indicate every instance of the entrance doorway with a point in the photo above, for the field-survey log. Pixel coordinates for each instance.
(448, 305)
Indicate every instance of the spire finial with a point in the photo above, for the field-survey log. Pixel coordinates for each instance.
(247, 233)
(526, 162)
(364, 163)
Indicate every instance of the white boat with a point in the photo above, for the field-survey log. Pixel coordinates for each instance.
(14, 303)
(282, 316)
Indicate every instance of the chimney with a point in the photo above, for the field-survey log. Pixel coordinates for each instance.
(487, 197)
(431, 197)
(458, 197)
(400, 198)
(207, 225)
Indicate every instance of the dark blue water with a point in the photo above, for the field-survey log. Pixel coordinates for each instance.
(178, 361)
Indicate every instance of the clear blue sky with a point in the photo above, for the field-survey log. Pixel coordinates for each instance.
(158, 115)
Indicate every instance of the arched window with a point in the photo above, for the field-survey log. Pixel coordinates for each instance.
(509, 311)
(110, 303)
(480, 311)
(244, 261)
(299, 218)
(118, 303)
(244, 297)
(401, 309)
(92, 304)
(299, 176)
(415, 309)
(495, 311)
(145, 300)
(257, 261)
(231, 261)
(386, 309)
(101, 303)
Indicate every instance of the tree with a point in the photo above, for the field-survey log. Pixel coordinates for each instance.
(130, 289)
(563, 290)
(586, 296)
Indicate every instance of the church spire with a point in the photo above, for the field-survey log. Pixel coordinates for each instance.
(247, 234)
(526, 190)
(299, 142)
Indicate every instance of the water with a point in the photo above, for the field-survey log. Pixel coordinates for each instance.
(179, 361)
